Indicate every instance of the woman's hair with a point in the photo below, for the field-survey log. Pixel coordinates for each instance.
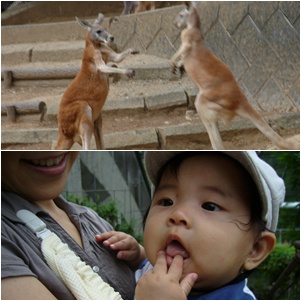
(256, 222)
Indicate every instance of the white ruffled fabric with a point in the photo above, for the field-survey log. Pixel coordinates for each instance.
(82, 281)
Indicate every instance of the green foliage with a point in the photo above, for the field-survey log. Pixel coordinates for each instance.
(109, 212)
(289, 219)
(270, 270)
(274, 265)
(287, 165)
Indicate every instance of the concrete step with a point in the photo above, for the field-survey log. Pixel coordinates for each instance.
(146, 95)
(56, 51)
(41, 33)
(146, 67)
(192, 134)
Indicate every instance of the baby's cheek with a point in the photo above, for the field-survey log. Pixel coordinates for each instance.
(151, 254)
(148, 238)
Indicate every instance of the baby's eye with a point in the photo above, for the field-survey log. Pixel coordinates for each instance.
(211, 207)
(166, 202)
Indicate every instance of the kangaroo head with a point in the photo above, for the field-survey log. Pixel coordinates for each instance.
(188, 17)
(97, 33)
(181, 19)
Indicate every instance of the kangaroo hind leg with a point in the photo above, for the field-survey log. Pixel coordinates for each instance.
(209, 119)
(98, 133)
(86, 127)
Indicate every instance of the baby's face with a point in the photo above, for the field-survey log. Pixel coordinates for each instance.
(202, 215)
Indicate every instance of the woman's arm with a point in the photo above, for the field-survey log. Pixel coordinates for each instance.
(24, 288)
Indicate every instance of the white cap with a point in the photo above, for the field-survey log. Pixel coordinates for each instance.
(270, 186)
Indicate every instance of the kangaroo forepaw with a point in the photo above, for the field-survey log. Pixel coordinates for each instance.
(130, 73)
(134, 51)
(181, 70)
(174, 69)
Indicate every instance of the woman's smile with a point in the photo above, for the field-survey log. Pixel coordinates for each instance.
(49, 166)
(47, 161)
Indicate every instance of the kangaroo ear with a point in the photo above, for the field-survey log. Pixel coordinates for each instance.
(99, 19)
(190, 4)
(84, 23)
(187, 3)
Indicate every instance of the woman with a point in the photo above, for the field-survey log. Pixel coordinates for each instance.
(34, 181)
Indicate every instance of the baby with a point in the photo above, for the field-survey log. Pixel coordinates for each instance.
(211, 222)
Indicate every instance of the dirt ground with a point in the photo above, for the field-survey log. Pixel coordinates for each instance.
(138, 119)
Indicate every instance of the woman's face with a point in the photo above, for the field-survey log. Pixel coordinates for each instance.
(36, 175)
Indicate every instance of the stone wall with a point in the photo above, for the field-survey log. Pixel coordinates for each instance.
(260, 41)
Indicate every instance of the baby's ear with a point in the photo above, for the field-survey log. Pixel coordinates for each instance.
(261, 250)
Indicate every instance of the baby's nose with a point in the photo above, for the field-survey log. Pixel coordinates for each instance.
(178, 217)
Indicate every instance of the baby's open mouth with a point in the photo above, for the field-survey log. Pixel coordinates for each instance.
(175, 248)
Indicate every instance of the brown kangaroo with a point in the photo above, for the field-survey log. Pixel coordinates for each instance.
(137, 6)
(80, 111)
(219, 95)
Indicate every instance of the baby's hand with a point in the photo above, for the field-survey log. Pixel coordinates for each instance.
(125, 245)
(163, 283)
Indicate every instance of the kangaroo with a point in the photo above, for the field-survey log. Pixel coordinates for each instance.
(145, 5)
(129, 7)
(80, 111)
(137, 6)
(219, 95)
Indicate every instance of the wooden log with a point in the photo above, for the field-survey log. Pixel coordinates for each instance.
(52, 73)
(22, 108)
(8, 78)
(11, 113)
(35, 74)
(43, 110)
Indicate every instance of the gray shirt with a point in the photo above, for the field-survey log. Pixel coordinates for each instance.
(21, 249)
